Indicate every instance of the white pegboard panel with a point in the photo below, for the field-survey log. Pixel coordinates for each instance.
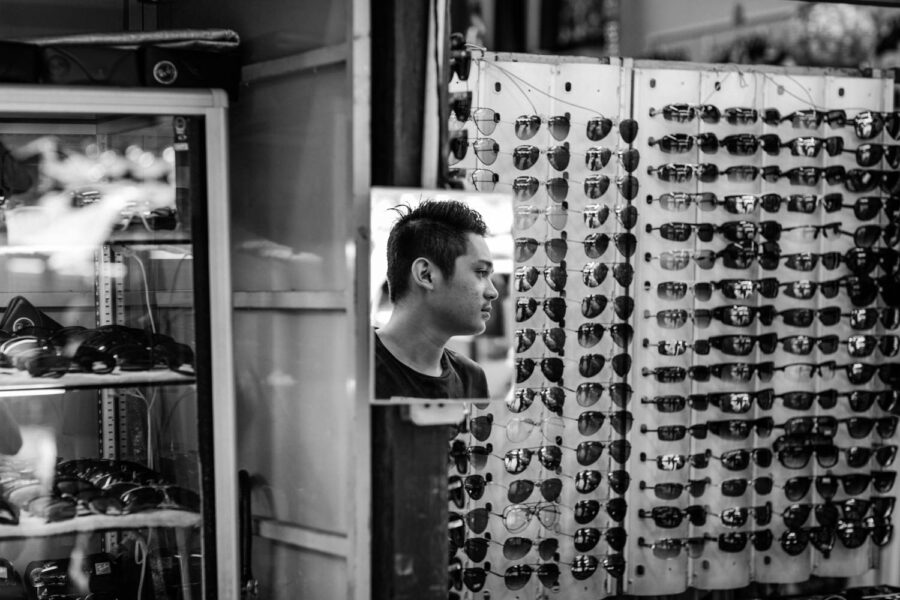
(580, 91)
(513, 86)
(730, 87)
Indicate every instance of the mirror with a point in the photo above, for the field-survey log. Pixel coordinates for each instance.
(434, 309)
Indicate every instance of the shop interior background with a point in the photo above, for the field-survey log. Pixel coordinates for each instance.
(770, 32)
(301, 151)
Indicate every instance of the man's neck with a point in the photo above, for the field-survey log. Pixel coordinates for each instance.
(412, 343)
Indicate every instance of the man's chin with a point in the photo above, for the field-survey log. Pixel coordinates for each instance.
(479, 328)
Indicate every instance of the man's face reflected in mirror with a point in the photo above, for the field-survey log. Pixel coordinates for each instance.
(440, 279)
(461, 304)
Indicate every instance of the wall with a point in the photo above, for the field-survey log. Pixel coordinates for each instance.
(30, 18)
(293, 188)
(649, 23)
(299, 167)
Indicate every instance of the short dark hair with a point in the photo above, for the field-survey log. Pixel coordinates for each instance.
(437, 230)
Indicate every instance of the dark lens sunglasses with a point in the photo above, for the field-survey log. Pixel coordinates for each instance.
(684, 113)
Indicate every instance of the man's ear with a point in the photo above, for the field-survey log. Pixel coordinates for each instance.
(423, 272)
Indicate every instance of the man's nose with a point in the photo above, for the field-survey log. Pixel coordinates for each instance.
(491, 292)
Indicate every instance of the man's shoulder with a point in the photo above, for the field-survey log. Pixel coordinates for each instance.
(462, 361)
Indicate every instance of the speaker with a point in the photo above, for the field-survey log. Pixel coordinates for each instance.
(76, 64)
(19, 62)
(189, 67)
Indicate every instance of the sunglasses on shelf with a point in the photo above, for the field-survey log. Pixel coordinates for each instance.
(674, 462)
(517, 548)
(807, 175)
(554, 307)
(517, 429)
(738, 486)
(484, 119)
(519, 459)
(590, 421)
(867, 180)
(731, 344)
(864, 208)
(731, 542)
(869, 124)
(729, 429)
(589, 451)
(486, 149)
(669, 517)
(742, 402)
(733, 372)
(589, 335)
(732, 402)
(798, 456)
(708, 113)
(553, 397)
(864, 345)
(738, 516)
(705, 172)
(555, 215)
(526, 156)
(597, 157)
(746, 144)
(853, 534)
(589, 393)
(735, 315)
(810, 118)
(588, 480)
(553, 368)
(805, 344)
(772, 258)
(795, 541)
(476, 548)
(670, 548)
(734, 256)
(527, 126)
(869, 155)
(592, 306)
(472, 486)
(594, 245)
(593, 274)
(673, 490)
(827, 486)
(520, 490)
(594, 186)
(524, 187)
(863, 319)
(740, 458)
(514, 577)
(862, 261)
(586, 539)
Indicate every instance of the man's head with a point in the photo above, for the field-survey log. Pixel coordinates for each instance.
(436, 230)
(437, 251)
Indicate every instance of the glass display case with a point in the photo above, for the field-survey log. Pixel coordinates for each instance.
(117, 466)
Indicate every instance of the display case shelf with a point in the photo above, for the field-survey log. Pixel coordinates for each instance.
(12, 380)
(80, 163)
(164, 238)
(31, 526)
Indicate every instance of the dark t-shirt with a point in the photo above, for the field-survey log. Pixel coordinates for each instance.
(460, 377)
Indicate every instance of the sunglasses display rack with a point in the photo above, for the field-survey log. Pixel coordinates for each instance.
(705, 345)
(557, 432)
(725, 333)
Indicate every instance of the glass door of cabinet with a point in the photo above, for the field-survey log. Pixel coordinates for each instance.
(111, 424)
